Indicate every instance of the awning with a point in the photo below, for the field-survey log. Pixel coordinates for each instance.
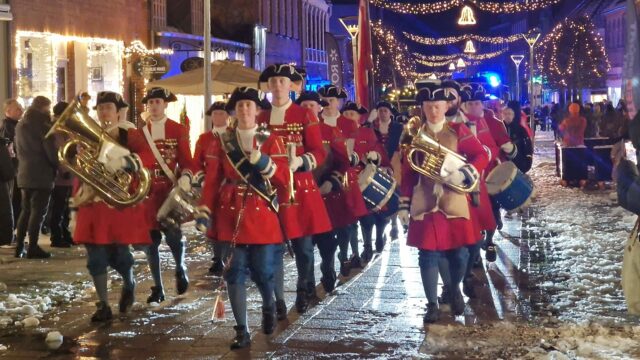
(226, 75)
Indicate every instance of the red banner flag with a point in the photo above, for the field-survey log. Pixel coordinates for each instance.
(365, 57)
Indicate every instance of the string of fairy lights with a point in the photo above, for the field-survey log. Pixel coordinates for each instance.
(388, 45)
(428, 63)
(484, 56)
(495, 7)
(457, 39)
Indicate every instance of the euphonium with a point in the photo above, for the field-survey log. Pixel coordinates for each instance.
(80, 155)
(415, 141)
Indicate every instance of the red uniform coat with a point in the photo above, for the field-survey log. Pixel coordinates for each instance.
(498, 131)
(101, 224)
(202, 156)
(307, 215)
(483, 213)
(175, 151)
(436, 231)
(344, 205)
(224, 190)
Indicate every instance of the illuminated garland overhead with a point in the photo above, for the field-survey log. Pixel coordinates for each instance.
(437, 74)
(442, 63)
(456, 39)
(388, 45)
(440, 6)
(484, 56)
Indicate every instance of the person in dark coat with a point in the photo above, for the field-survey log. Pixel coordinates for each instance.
(37, 165)
(7, 174)
(58, 214)
(13, 112)
(519, 136)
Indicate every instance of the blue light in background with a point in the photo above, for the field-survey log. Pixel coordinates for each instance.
(494, 80)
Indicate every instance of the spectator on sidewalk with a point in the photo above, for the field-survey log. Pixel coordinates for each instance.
(59, 206)
(572, 127)
(7, 174)
(611, 124)
(13, 112)
(37, 165)
(590, 115)
(519, 136)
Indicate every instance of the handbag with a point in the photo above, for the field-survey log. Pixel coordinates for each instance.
(631, 271)
(7, 171)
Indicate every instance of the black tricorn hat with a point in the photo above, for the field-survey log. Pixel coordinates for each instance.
(384, 104)
(433, 91)
(350, 105)
(248, 93)
(332, 91)
(285, 70)
(451, 84)
(474, 92)
(218, 105)
(110, 97)
(311, 96)
(159, 93)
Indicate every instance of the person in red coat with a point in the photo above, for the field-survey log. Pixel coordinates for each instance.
(246, 210)
(168, 141)
(105, 231)
(302, 210)
(349, 124)
(438, 217)
(201, 156)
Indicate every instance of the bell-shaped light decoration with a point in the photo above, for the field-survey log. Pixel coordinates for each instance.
(452, 66)
(460, 63)
(469, 48)
(467, 18)
(433, 76)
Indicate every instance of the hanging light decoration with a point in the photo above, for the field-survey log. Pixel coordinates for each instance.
(469, 48)
(466, 17)
(461, 63)
(452, 66)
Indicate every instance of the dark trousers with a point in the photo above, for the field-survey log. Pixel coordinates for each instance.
(6, 214)
(367, 223)
(16, 200)
(34, 208)
(59, 210)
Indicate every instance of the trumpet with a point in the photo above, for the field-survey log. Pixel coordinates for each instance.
(415, 141)
(85, 134)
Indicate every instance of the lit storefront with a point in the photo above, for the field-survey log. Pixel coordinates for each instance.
(47, 63)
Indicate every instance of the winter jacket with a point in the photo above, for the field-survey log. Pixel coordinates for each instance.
(628, 186)
(572, 130)
(8, 131)
(520, 138)
(37, 156)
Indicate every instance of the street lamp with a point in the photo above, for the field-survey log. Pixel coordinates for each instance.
(350, 23)
(531, 37)
(517, 59)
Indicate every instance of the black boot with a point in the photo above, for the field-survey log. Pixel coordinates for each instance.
(103, 313)
(269, 320)
(35, 252)
(242, 339)
(216, 267)
(20, 253)
(468, 289)
(457, 302)
(127, 297)
(302, 304)
(182, 281)
(491, 253)
(445, 298)
(157, 295)
(356, 262)
(328, 283)
(281, 309)
(380, 243)
(345, 268)
(366, 255)
(432, 315)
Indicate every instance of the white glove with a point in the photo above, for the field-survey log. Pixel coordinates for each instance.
(509, 149)
(373, 157)
(455, 178)
(110, 151)
(72, 221)
(115, 165)
(254, 157)
(450, 164)
(185, 183)
(326, 188)
(403, 215)
(295, 163)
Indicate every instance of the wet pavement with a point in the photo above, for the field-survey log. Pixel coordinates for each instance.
(554, 293)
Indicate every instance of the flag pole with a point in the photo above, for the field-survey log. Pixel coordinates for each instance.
(207, 61)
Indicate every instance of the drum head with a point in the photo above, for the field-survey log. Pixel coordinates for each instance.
(501, 177)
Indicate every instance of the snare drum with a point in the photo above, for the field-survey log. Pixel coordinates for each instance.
(378, 190)
(509, 187)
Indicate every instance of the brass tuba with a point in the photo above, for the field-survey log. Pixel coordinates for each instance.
(415, 141)
(80, 153)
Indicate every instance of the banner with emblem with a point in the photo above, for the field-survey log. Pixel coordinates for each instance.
(334, 66)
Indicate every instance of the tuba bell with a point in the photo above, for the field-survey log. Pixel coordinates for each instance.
(80, 154)
(415, 141)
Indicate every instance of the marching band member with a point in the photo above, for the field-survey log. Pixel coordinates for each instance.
(349, 123)
(105, 231)
(241, 179)
(388, 132)
(302, 211)
(219, 123)
(168, 141)
(438, 217)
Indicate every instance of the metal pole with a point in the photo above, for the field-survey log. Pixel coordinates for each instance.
(354, 48)
(531, 107)
(518, 82)
(207, 61)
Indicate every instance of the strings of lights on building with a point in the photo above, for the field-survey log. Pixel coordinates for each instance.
(495, 7)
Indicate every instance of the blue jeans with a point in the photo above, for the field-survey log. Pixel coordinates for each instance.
(428, 262)
(256, 261)
(303, 250)
(119, 257)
